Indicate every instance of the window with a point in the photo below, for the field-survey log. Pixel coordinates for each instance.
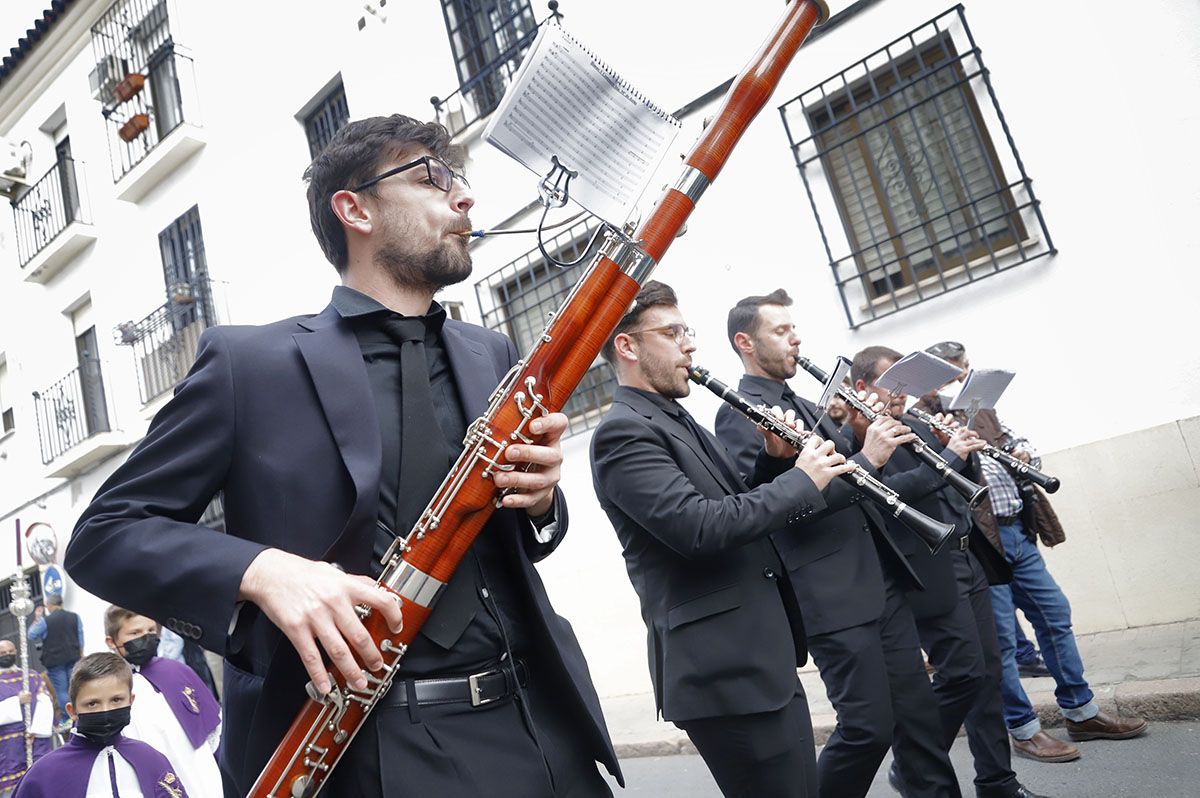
(7, 422)
(516, 298)
(488, 38)
(901, 138)
(326, 117)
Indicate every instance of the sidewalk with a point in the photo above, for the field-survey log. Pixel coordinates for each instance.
(1151, 671)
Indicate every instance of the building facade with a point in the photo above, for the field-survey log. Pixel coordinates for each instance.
(1017, 176)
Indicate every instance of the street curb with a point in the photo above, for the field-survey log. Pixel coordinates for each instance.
(1160, 699)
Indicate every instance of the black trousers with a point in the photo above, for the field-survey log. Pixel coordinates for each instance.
(962, 647)
(525, 745)
(763, 755)
(875, 678)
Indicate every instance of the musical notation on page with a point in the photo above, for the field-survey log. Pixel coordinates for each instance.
(565, 102)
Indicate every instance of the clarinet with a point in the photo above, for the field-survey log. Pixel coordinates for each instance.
(970, 491)
(418, 566)
(932, 533)
(1020, 469)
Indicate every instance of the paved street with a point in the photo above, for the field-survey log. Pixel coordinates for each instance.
(1164, 764)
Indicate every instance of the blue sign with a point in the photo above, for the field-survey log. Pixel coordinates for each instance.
(52, 581)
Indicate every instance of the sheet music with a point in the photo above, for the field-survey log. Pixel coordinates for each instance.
(565, 102)
(917, 374)
(834, 382)
(986, 385)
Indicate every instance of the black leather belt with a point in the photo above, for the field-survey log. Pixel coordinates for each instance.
(1008, 520)
(477, 689)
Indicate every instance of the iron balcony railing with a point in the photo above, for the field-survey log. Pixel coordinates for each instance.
(71, 410)
(164, 343)
(165, 101)
(48, 208)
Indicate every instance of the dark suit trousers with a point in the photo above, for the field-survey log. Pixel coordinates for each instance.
(491, 751)
(962, 647)
(763, 755)
(876, 680)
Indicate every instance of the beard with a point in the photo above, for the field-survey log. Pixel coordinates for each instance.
(446, 264)
(666, 380)
(780, 369)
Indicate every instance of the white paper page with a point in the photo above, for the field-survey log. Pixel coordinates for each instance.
(986, 385)
(917, 374)
(834, 382)
(565, 102)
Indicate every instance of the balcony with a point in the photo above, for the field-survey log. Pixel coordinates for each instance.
(164, 343)
(74, 422)
(158, 127)
(52, 222)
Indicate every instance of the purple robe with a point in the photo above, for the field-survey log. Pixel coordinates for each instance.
(190, 700)
(12, 735)
(65, 773)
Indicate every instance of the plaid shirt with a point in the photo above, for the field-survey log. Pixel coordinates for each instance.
(1005, 496)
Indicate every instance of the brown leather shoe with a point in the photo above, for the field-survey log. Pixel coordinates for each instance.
(1041, 747)
(1106, 727)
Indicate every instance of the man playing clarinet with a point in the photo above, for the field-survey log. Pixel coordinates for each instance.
(327, 435)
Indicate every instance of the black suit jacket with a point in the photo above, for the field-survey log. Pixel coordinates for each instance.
(696, 549)
(281, 419)
(834, 559)
(921, 488)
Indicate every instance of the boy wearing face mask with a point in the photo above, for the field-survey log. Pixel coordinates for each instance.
(176, 713)
(98, 760)
(13, 701)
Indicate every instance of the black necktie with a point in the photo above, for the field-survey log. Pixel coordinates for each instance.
(701, 437)
(422, 445)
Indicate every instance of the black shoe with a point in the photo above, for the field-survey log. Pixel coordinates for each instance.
(1025, 792)
(1033, 670)
(895, 781)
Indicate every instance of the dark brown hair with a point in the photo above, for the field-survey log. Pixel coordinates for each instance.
(94, 667)
(653, 294)
(353, 156)
(744, 318)
(114, 616)
(865, 366)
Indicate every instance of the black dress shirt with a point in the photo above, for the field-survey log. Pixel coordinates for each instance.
(498, 625)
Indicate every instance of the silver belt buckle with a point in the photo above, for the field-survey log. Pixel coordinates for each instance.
(963, 542)
(473, 685)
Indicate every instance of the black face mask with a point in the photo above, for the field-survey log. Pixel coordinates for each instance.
(8, 660)
(102, 727)
(141, 650)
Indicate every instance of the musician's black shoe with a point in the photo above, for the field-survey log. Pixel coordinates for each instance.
(895, 781)
(1025, 792)
(1033, 670)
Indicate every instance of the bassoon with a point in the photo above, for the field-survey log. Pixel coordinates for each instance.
(419, 565)
(933, 533)
(971, 491)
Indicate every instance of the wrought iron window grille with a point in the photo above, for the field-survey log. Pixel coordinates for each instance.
(489, 38)
(898, 147)
(328, 117)
(517, 298)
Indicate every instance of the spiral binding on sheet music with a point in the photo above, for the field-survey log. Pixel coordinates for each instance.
(612, 74)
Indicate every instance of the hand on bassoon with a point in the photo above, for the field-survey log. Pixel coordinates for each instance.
(533, 490)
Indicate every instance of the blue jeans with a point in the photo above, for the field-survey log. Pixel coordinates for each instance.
(1026, 653)
(1034, 591)
(60, 678)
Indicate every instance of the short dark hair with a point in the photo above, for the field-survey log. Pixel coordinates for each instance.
(743, 317)
(54, 600)
(952, 351)
(94, 667)
(653, 294)
(353, 156)
(114, 617)
(865, 365)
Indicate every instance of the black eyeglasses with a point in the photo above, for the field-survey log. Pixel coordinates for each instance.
(677, 331)
(950, 349)
(439, 172)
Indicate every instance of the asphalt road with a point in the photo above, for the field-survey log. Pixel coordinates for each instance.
(1164, 763)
